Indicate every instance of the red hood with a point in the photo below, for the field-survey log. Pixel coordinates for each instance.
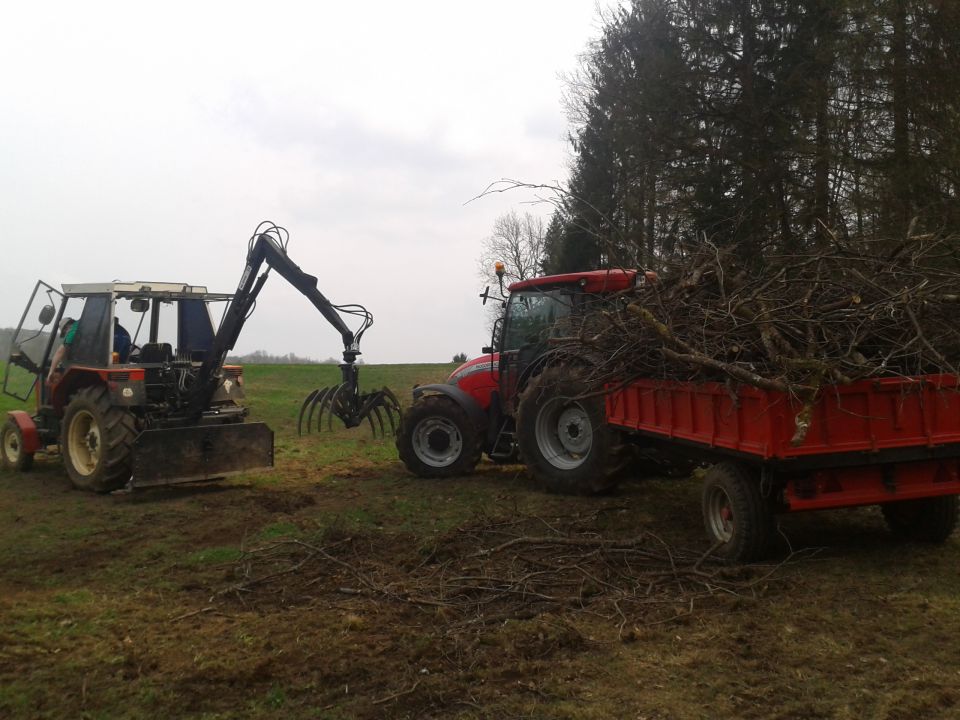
(478, 364)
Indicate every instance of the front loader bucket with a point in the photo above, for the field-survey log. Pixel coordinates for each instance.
(201, 452)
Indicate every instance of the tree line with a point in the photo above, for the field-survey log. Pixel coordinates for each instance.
(780, 126)
(262, 357)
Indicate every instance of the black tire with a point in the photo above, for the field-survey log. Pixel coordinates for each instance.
(926, 520)
(12, 455)
(436, 439)
(564, 441)
(96, 441)
(737, 518)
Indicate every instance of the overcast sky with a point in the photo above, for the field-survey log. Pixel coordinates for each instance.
(146, 141)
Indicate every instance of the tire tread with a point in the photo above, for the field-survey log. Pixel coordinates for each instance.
(118, 433)
(432, 406)
(753, 517)
(595, 476)
(925, 520)
(25, 460)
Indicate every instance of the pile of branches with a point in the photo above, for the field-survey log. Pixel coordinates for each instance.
(791, 323)
(494, 569)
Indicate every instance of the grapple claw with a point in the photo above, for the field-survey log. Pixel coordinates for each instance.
(326, 405)
(380, 403)
(310, 405)
(375, 413)
(351, 407)
(317, 408)
(337, 407)
(303, 409)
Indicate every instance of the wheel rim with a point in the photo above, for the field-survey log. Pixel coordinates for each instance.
(720, 514)
(83, 440)
(564, 434)
(437, 442)
(11, 447)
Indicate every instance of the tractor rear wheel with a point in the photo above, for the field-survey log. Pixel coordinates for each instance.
(12, 454)
(563, 438)
(925, 520)
(96, 441)
(437, 439)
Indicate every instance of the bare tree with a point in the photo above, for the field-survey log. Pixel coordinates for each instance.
(519, 243)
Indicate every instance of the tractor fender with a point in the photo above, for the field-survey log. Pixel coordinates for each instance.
(28, 429)
(75, 378)
(557, 356)
(464, 400)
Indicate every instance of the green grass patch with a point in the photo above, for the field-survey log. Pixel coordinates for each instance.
(276, 698)
(279, 530)
(214, 556)
(74, 597)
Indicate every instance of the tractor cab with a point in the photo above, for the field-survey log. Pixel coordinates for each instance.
(533, 315)
(143, 339)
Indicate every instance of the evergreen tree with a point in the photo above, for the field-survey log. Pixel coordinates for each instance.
(774, 124)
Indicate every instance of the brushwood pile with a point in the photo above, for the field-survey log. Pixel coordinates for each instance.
(786, 323)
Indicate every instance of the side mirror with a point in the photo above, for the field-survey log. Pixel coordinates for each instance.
(139, 305)
(486, 350)
(46, 314)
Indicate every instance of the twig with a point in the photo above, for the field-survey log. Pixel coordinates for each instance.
(388, 698)
(207, 609)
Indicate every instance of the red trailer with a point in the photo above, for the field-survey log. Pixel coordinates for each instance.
(894, 442)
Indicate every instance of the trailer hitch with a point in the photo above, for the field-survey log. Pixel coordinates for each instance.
(380, 408)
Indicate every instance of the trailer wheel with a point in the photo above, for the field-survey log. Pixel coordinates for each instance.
(96, 441)
(437, 439)
(12, 455)
(564, 439)
(736, 516)
(925, 520)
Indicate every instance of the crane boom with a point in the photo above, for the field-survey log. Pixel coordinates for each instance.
(265, 250)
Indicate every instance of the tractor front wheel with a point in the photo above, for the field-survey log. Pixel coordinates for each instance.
(12, 454)
(563, 435)
(96, 441)
(437, 439)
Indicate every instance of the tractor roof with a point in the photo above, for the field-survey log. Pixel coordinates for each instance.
(141, 289)
(592, 281)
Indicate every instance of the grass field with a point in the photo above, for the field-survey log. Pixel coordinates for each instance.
(258, 597)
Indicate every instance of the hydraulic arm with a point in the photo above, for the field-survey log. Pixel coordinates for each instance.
(267, 247)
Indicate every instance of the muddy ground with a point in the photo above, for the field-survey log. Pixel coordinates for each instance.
(338, 586)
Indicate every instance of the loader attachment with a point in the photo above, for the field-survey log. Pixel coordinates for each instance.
(380, 409)
(201, 452)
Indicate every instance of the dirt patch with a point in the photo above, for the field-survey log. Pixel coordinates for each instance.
(283, 502)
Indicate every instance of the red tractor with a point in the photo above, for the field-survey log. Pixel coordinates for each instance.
(159, 407)
(518, 399)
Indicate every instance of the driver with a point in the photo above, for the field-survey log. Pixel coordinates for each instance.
(68, 331)
(121, 341)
